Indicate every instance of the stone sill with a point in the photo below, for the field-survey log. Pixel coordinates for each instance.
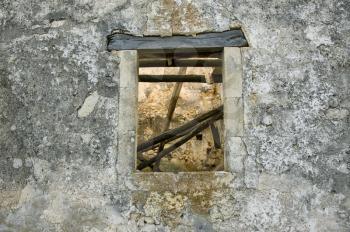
(182, 181)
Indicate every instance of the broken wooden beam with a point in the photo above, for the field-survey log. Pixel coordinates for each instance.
(217, 78)
(200, 127)
(179, 130)
(180, 63)
(232, 38)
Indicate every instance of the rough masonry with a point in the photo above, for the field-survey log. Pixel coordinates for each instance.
(59, 105)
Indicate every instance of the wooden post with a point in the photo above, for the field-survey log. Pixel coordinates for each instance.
(180, 63)
(173, 78)
(216, 136)
(171, 109)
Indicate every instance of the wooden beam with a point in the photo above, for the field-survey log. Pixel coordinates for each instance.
(174, 137)
(172, 104)
(188, 51)
(232, 38)
(180, 63)
(216, 136)
(171, 109)
(179, 55)
(201, 126)
(181, 129)
(217, 78)
(217, 70)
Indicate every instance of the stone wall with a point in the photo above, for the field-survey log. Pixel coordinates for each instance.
(59, 106)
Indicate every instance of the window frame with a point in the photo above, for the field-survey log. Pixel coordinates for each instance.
(232, 73)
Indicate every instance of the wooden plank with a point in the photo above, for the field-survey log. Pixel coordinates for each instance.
(188, 51)
(174, 137)
(179, 55)
(172, 104)
(174, 132)
(172, 78)
(180, 63)
(200, 127)
(216, 136)
(217, 78)
(217, 70)
(232, 38)
(171, 109)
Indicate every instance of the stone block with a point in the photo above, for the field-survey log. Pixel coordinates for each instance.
(128, 68)
(126, 152)
(127, 110)
(233, 116)
(232, 72)
(234, 154)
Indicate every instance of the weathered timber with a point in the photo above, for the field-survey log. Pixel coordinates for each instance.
(178, 135)
(172, 78)
(172, 104)
(171, 109)
(174, 132)
(216, 136)
(179, 55)
(180, 63)
(201, 126)
(217, 70)
(189, 51)
(217, 78)
(232, 38)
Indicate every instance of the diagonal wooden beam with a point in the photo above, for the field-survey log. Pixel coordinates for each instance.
(201, 126)
(174, 137)
(172, 104)
(170, 134)
(171, 109)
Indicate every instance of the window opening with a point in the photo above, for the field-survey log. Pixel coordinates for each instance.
(168, 64)
(180, 111)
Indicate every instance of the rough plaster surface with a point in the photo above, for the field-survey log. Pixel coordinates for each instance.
(57, 170)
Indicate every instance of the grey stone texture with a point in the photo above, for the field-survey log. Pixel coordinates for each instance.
(59, 156)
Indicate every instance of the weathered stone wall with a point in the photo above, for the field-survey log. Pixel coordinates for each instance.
(59, 107)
